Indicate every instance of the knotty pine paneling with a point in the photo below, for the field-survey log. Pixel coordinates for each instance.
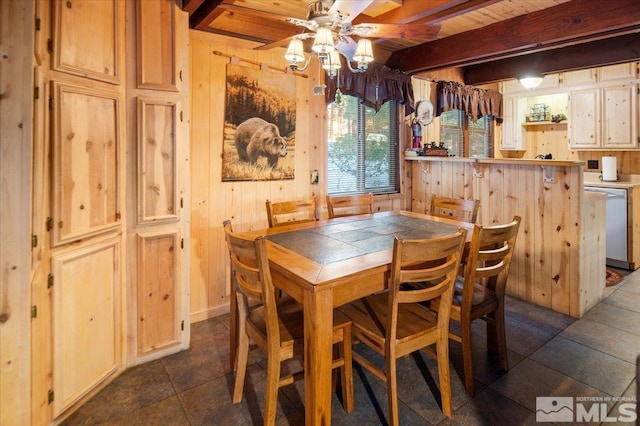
(243, 203)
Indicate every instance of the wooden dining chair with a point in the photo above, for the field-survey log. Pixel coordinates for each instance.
(397, 322)
(349, 205)
(275, 326)
(284, 212)
(480, 293)
(454, 208)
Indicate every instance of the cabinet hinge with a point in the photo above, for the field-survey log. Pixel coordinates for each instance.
(181, 243)
(50, 396)
(37, 24)
(50, 281)
(50, 45)
(34, 312)
(36, 92)
(49, 224)
(50, 103)
(182, 325)
(118, 215)
(34, 241)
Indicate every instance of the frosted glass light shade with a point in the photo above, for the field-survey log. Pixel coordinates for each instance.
(364, 51)
(295, 51)
(531, 81)
(332, 62)
(324, 41)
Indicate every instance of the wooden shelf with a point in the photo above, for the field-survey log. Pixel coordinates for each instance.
(542, 123)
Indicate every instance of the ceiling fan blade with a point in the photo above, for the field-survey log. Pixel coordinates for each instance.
(411, 31)
(284, 41)
(347, 10)
(346, 45)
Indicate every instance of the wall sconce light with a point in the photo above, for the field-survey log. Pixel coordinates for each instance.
(531, 80)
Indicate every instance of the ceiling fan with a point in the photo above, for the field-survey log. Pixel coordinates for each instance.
(338, 15)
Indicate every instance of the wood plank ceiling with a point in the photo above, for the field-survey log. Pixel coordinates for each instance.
(493, 40)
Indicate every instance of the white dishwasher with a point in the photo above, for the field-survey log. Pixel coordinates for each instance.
(617, 226)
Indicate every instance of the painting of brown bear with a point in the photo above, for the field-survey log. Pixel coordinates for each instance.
(259, 131)
(255, 138)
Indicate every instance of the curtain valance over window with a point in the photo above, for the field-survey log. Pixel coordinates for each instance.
(473, 101)
(374, 87)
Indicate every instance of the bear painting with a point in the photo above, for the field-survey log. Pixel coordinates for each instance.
(256, 138)
(259, 134)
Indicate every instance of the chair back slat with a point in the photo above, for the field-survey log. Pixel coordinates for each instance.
(349, 205)
(284, 212)
(489, 259)
(454, 208)
(252, 277)
(435, 262)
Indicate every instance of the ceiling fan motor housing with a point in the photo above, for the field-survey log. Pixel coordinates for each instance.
(318, 12)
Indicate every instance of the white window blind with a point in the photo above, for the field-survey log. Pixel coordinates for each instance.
(363, 149)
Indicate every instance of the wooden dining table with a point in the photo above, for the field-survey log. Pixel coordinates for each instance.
(332, 262)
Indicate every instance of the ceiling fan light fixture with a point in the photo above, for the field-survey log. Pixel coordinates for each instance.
(323, 42)
(295, 52)
(331, 63)
(531, 80)
(364, 51)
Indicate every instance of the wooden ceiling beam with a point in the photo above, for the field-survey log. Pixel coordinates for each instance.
(573, 22)
(597, 53)
(206, 13)
(191, 6)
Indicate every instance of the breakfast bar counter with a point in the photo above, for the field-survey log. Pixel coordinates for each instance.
(559, 261)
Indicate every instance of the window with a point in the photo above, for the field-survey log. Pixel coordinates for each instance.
(465, 137)
(363, 149)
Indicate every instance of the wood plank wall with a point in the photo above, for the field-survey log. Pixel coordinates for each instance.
(546, 267)
(243, 203)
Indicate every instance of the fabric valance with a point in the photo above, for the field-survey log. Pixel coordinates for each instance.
(473, 101)
(374, 87)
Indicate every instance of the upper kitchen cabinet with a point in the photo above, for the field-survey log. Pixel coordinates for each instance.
(604, 117)
(621, 72)
(584, 119)
(515, 109)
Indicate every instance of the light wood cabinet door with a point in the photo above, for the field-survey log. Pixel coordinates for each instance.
(88, 38)
(86, 167)
(86, 319)
(584, 119)
(579, 77)
(619, 116)
(625, 72)
(514, 115)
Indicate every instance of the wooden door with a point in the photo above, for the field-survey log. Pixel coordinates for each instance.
(80, 191)
(584, 119)
(158, 177)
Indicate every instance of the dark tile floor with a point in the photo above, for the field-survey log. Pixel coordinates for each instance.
(550, 355)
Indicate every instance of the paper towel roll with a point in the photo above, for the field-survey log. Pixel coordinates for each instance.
(609, 169)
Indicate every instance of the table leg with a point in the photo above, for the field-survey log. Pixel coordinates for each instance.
(318, 354)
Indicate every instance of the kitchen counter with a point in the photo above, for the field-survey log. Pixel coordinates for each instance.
(623, 182)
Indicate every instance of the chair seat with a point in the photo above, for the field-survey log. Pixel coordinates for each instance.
(369, 316)
(291, 322)
(483, 297)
